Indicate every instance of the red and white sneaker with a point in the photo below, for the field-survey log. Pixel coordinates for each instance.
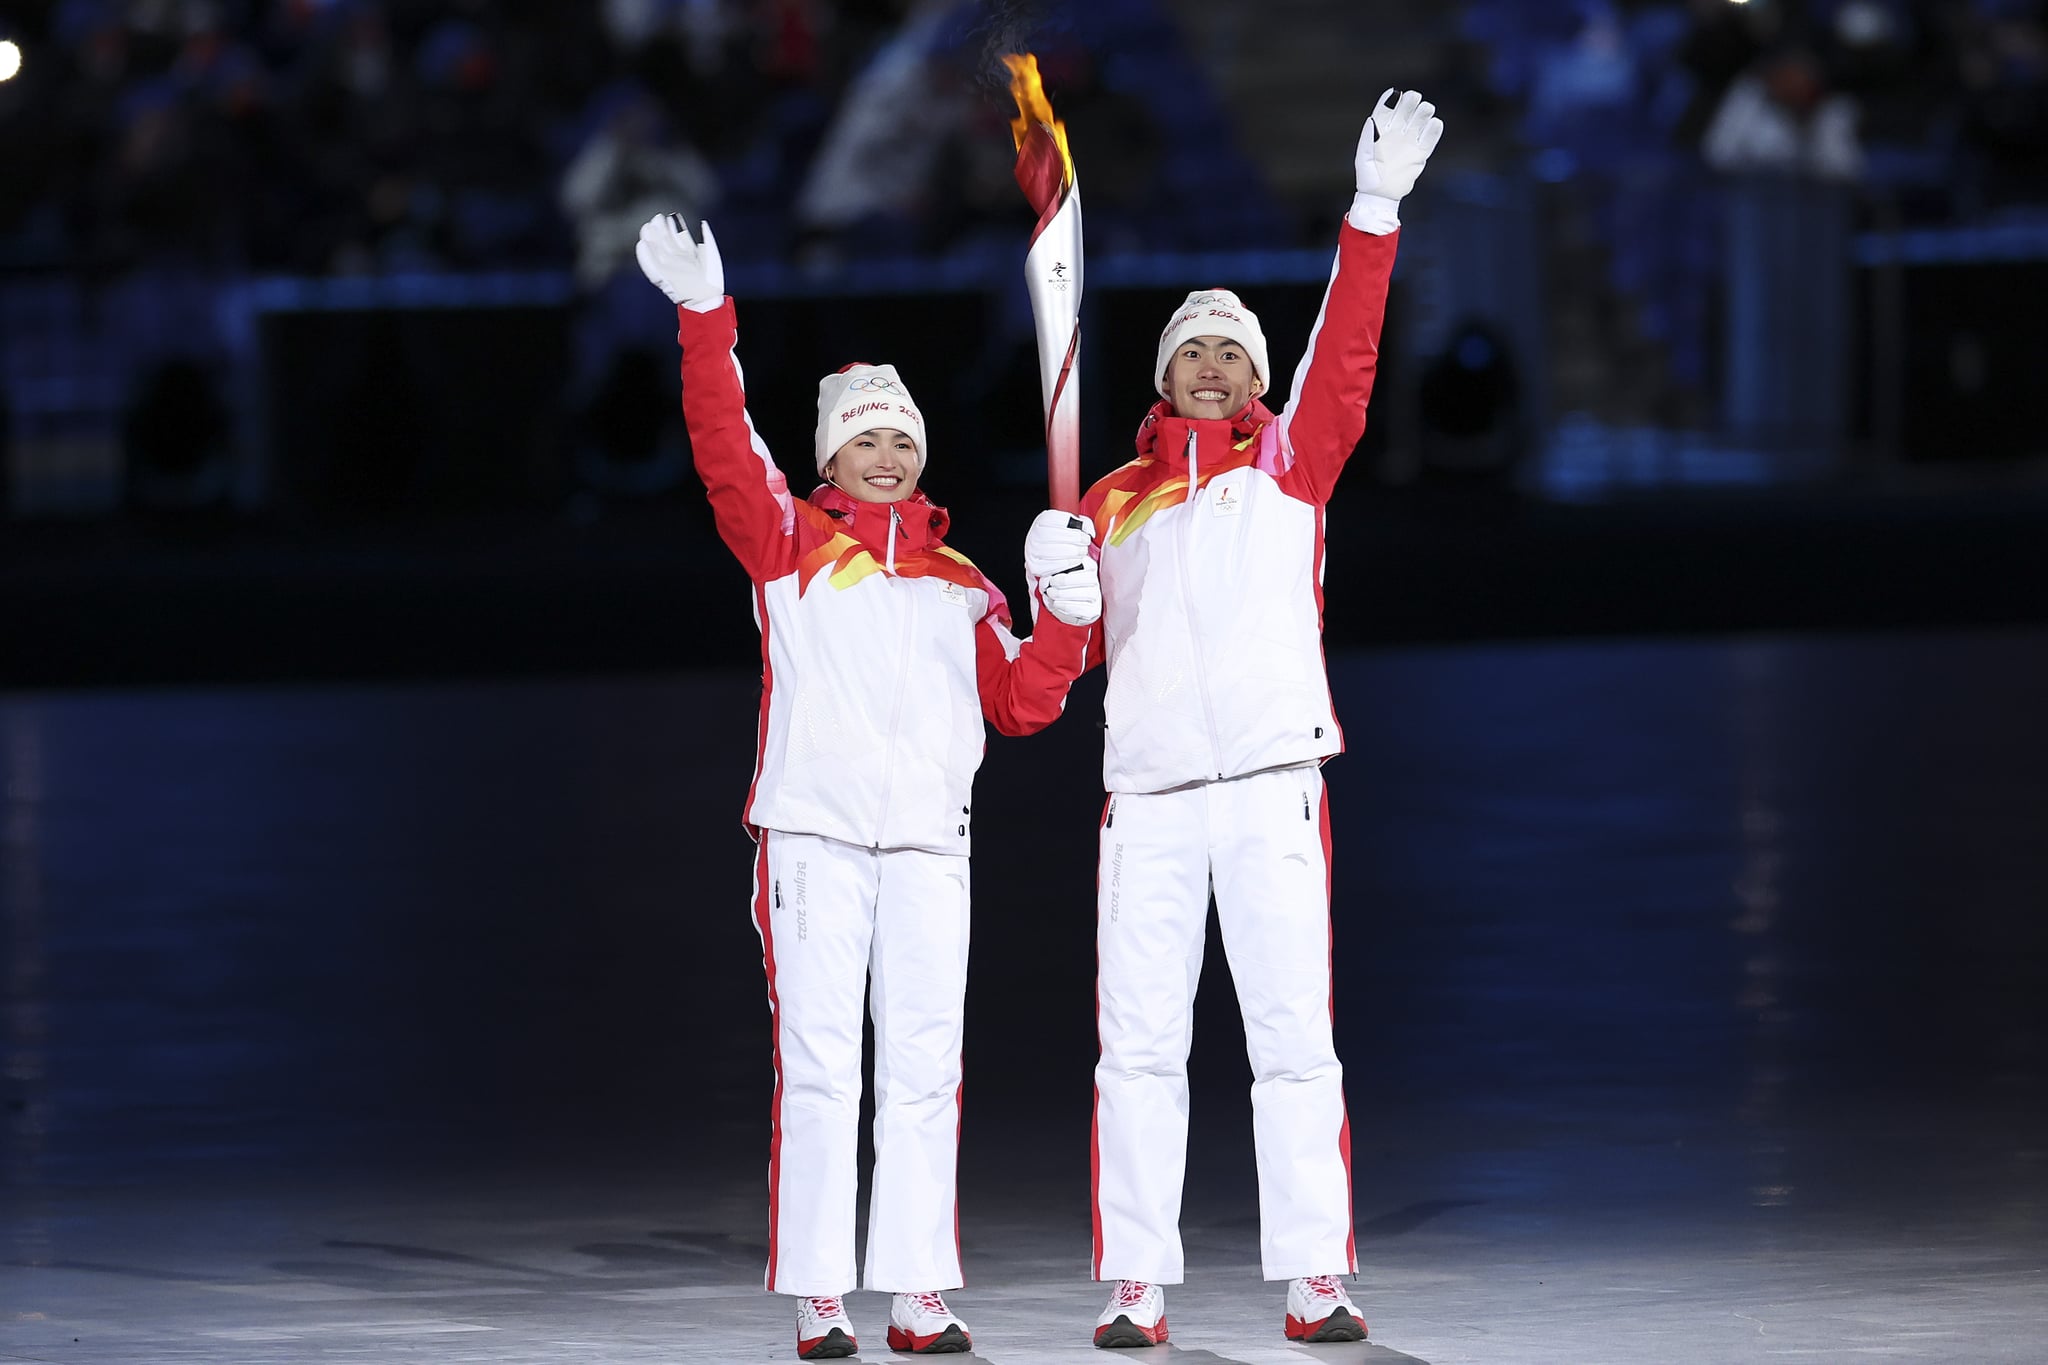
(1136, 1316)
(823, 1331)
(922, 1324)
(1318, 1309)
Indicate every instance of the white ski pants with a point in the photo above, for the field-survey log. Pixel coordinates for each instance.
(1261, 843)
(838, 921)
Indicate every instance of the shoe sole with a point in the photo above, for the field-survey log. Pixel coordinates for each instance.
(1124, 1334)
(1339, 1326)
(949, 1342)
(834, 1345)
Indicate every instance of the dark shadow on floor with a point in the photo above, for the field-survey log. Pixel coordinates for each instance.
(1340, 1353)
(1412, 1217)
(454, 1258)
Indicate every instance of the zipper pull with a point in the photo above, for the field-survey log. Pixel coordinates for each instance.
(1304, 806)
(778, 893)
(891, 557)
(1191, 464)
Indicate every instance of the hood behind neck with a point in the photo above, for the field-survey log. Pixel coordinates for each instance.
(1249, 419)
(923, 521)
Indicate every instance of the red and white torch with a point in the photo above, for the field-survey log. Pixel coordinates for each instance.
(1052, 268)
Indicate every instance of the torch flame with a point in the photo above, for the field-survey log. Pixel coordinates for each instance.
(1034, 107)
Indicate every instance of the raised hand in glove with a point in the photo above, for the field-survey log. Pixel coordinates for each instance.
(691, 275)
(1393, 147)
(1059, 561)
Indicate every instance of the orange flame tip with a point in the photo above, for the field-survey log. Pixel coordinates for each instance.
(1034, 107)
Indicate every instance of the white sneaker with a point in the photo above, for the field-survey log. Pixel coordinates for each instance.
(823, 1331)
(1136, 1316)
(1318, 1309)
(922, 1324)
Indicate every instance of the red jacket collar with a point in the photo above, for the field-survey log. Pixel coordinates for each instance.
(1161, 425)
(923, 522)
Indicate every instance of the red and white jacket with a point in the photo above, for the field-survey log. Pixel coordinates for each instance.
(882, 649)
(1212, 561)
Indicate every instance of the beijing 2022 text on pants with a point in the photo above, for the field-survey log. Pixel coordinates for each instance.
(1262, 842)
(831, 916)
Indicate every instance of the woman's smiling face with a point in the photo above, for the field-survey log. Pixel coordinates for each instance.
(876, 466)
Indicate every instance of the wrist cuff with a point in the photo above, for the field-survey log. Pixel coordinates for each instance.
(1374, 213)
(710, 305)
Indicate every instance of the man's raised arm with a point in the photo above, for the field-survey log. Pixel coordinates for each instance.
(1326, 415)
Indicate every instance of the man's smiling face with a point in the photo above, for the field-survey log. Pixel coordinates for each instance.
(1210, 378)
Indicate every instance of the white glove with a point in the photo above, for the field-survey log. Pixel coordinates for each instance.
(1074, 596)
(690, 275)
(1059, 561)
(1393, 147)
(1057, 540)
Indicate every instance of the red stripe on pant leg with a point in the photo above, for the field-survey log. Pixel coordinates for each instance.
(763, 923)
(1350, 1232)
(959, 1124)
(1329, 919)
(1095, 1179)
(1095, 1108)
(1344, 1128)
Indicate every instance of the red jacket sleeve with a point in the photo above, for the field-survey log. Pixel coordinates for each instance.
(750, 498)
(1024, 683)
(1326, 416)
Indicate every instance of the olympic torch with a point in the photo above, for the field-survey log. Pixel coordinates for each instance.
(1052, 268)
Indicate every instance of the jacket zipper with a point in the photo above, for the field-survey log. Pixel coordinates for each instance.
(1187, 601)
(890, 557)
(896, 712)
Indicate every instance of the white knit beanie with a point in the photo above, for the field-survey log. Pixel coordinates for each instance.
(861, 398)
(1213, 313)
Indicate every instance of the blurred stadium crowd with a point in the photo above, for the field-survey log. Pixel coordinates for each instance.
(347, 136)
(338, 136)
(1949, 95)
(164, 162)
